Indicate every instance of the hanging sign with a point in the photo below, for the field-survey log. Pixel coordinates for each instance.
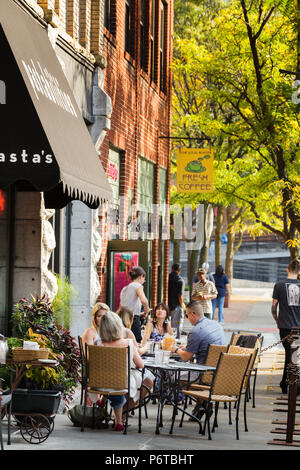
(195, 170)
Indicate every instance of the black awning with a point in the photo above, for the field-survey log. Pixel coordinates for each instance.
(43, 137)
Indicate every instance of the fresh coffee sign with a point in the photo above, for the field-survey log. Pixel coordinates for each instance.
(195, 170)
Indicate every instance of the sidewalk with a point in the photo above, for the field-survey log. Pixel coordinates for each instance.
(250, 313)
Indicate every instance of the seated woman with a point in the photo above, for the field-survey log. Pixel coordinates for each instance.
(111, 334)
(159, 325)
(156, 329)
(127, 317)
(91, 335)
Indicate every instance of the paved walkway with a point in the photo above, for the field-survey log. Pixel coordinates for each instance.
(247, 311)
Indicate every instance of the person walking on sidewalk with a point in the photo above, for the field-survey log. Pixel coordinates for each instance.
(204, 291)
(133, 297)
(286, 296)
(175, 297)
(209, 275)
(222, 285)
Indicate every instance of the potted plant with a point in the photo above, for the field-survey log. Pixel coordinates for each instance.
(33, 320)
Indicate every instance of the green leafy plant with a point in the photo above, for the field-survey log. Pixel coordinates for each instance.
(61, 305)
(34, 313)
(33, 319)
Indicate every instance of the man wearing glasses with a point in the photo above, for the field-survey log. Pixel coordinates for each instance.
(203, 333)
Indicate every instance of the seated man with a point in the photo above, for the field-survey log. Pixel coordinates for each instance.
(203, 333)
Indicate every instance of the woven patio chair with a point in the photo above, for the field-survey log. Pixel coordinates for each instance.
(253, 367)
(212, 357)
(107, 373)
(227, 386)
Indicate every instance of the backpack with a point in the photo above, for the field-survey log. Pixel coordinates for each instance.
(76, 414)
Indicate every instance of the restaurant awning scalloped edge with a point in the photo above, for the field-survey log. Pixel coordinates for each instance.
(76, 171)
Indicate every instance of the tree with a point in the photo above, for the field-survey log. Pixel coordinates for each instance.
(227, 87)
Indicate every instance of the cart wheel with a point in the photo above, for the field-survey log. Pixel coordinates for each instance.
(51, 421)
(35, 429)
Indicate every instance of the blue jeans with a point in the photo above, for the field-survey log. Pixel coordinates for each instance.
(218, 302)
(116, 401)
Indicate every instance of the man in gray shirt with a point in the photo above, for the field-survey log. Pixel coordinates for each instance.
(203, 333)
(286, 296)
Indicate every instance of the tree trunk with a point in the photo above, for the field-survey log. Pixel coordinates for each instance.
(176, 251)
(208, 228)
(192, 267)
(218, 234)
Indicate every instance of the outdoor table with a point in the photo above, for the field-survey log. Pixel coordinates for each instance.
(173, 366)
(20, 368)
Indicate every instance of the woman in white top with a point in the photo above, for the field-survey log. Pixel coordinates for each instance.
(111, 334)
(91, 335)
(133, 297)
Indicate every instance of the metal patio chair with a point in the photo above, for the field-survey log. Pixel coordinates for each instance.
(227, 386)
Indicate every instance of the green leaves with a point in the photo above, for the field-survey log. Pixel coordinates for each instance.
(227, 87)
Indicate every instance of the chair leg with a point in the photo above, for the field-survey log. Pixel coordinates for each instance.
(173, 418)
(127, 416)
(237, 418)
(207, 419)
(184, 407)
(215, 423)
(84, 411)
(253, 389)
(9, 422)
(245, 414)
(229, 413)
(1, 437)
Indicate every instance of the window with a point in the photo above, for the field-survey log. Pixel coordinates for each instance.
(110, 16)
(113, 176)
(143, 35)
(145, 185)
(107, 14)
(162, 46)
(152, 40)
(129, 30)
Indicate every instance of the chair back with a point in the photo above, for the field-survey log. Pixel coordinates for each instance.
(212, 357)
(230, 374)
(247, 351)
(108, 367)
(248, 340)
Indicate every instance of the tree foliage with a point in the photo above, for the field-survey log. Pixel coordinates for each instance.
(228, 88)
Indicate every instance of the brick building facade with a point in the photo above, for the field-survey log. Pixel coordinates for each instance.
(138, 53)
(115, 55)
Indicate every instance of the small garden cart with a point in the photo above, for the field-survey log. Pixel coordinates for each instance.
(34, 411)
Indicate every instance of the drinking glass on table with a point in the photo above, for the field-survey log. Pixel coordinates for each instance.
(174, 331)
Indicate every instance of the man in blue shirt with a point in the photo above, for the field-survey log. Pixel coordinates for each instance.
(203, 333)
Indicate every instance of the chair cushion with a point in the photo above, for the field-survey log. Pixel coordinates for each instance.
(205, 395)
(108, 391)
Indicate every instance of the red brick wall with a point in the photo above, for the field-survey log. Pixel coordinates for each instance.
(141, 113)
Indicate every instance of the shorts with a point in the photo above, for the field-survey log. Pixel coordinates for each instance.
(116, 401)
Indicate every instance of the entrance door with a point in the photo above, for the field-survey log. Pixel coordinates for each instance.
(121, 263)
(122, 256)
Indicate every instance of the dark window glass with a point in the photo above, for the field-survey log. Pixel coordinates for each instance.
(107, 14)
(152, 39)
(143, 34)
(162, 46)
(128, 27)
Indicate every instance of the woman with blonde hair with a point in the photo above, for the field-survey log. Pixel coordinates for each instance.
(91, 335)
(111, 334)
